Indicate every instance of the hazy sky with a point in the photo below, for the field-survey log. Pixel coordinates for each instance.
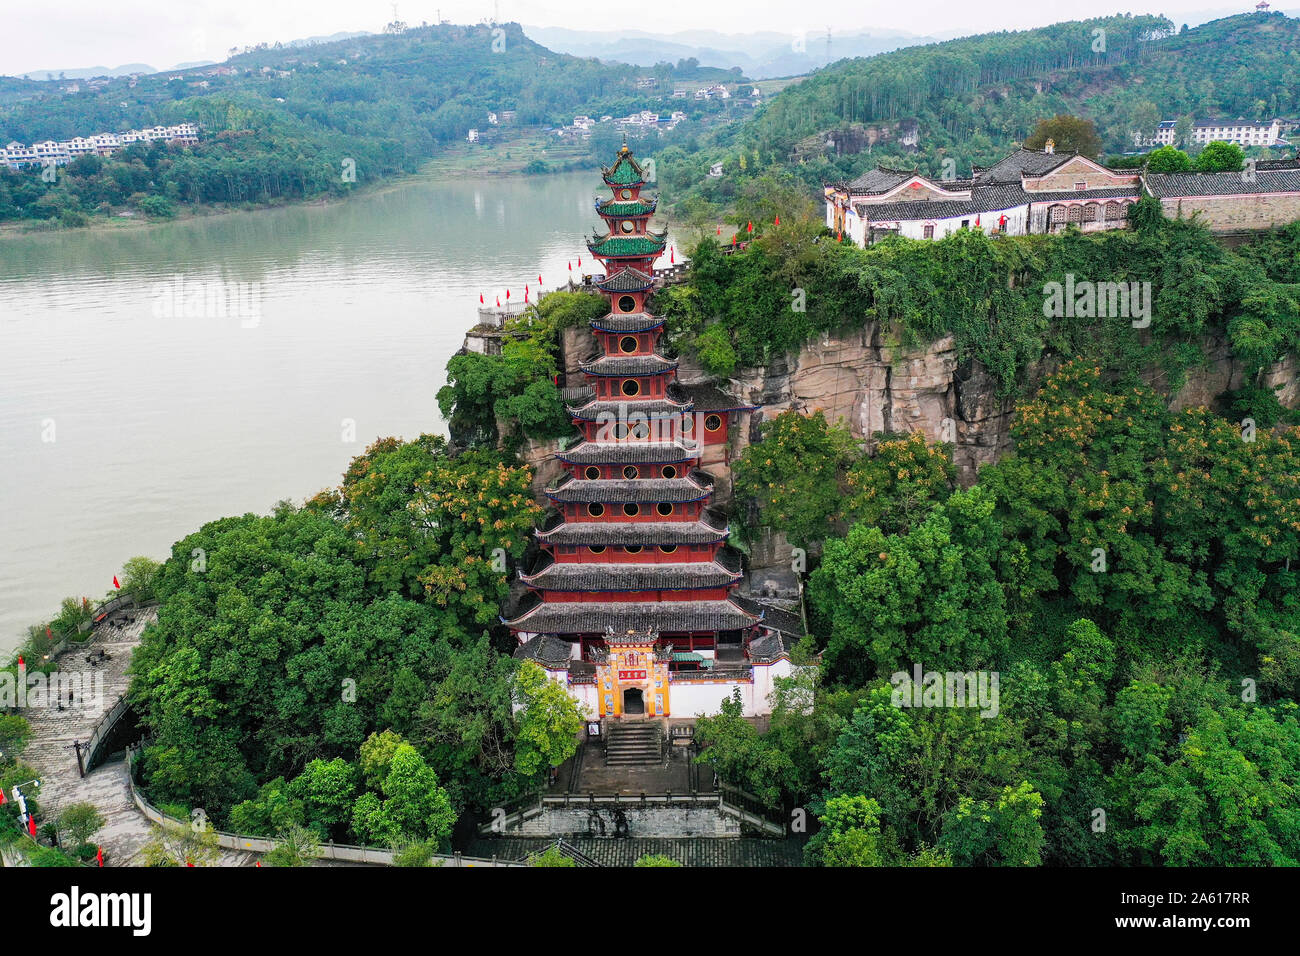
(74, 34)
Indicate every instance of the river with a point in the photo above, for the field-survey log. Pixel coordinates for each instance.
(126, 424)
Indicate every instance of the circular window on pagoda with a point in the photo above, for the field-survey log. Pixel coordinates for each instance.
(712, 423)
(667, 548)
(631, 387)
(628, 343)
(597, 549)
(626, 194)
(664, 508)
(626, 225)
(641, 430)
(592, 473)
(630, 472)
(688, 423)
(626, 303)
(620, 430)
(669, 471)
(595, 509)
(631, 510)
(633, 549)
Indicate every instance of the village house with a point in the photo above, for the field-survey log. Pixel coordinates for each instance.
(1033, 191)
(1029, 191)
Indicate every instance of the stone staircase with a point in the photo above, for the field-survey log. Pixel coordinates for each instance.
(634, 743)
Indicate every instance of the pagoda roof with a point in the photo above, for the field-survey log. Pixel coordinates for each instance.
(578, 393)
(622, 408)
(594, 617)
(626, 208)
(615, 576)
(626, 280)
(626, 171)
(627, 322)
(614, 247)
(710, 529)
(630, 452)
(622, 365)
(632, 490)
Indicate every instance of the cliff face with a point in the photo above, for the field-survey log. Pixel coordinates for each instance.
(873, 383)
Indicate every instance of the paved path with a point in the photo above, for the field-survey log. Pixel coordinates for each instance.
(51, 752)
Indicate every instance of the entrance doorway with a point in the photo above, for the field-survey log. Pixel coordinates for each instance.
(633, 702)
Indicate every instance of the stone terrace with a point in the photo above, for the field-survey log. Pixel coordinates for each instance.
(50, 750)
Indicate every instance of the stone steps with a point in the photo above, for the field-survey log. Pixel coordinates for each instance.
(634, 744)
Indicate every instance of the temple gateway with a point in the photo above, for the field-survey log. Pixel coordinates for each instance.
(631, 603)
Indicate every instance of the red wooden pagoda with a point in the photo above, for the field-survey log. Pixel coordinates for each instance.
(631, 595)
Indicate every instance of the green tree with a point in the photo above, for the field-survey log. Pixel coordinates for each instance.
(1168, 159)
(546, 731)
(1220, 157)
(79, 821)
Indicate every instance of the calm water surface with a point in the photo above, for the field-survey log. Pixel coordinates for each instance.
(123, 429)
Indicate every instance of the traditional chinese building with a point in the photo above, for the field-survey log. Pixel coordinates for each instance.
(630, 603)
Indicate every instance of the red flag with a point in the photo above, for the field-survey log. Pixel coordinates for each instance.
(99, 855)
(525, 293)
(507, 295)
(258, 863)
(579, 262)
(735, 239)
(31, 824)
(839, 236)
(539, 280)
(778, 219)
(672, 255)
(48, 632)
(977, 222)
(525, 288)
(480, 298)
(498, 302)
(750, 227)
(3, 801)
(21, 665)
(719, 230)
(188, 861)
(570, 266)
(115, 584)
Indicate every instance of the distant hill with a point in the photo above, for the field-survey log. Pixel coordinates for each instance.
(974, 97)
(89, 72)
(758, 55)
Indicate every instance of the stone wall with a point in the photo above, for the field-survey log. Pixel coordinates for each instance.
(1232, 213)
(672, 820)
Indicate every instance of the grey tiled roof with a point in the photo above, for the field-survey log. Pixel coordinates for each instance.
(627, 322)
(880, 180)
(630, 453)
(1177, 185)
(710, 398)
(545, 650)
(613, 576)
(628, 365)
(774, 617)
(622, 408)
(593, 617)
(1023, 162)
(634, 490)
(646, 534)
(626, 280)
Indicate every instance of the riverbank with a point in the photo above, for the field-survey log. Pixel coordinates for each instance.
(509, 157)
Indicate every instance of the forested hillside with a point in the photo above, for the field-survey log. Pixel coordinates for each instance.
(279, 123)
(971, 99)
